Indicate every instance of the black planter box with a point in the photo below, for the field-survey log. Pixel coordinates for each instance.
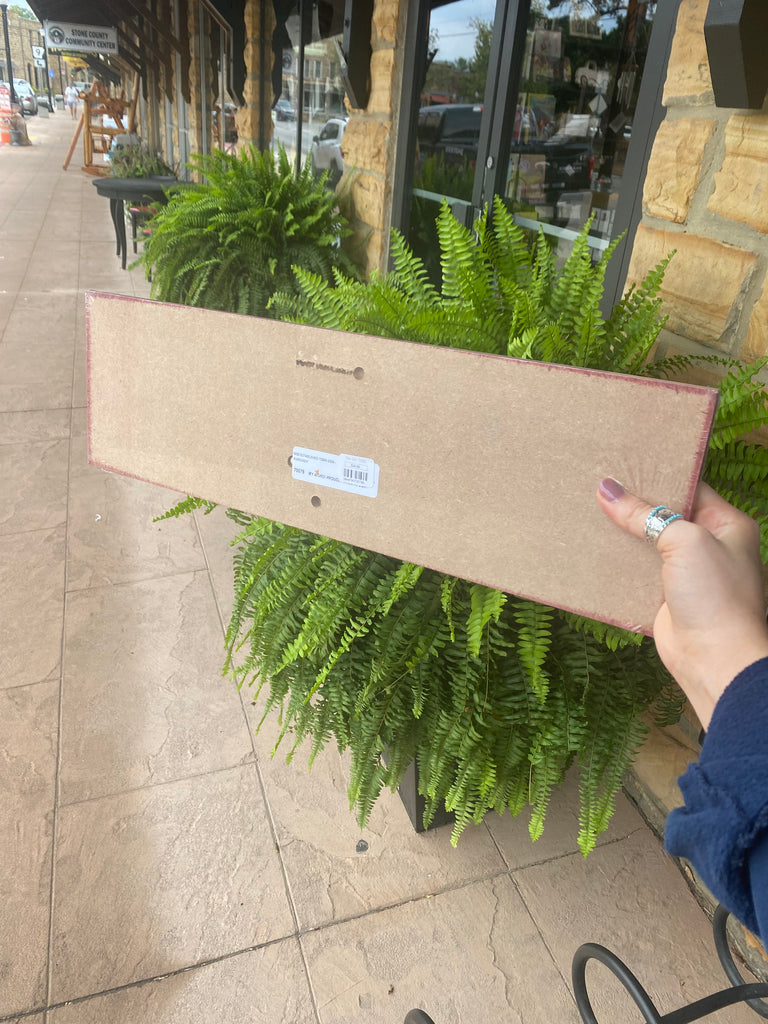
(414, 803)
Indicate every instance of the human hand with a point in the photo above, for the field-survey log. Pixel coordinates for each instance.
(712, 623)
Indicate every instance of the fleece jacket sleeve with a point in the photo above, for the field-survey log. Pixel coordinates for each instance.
(723, 827)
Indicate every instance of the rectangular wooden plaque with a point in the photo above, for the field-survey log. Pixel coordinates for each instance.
(479, 466)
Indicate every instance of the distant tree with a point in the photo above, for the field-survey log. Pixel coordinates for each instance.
(444, 79)
(22, 12)
(474, 85)
(603, 8)
(462, 79)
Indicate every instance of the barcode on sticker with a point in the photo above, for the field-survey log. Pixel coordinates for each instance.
(355, 474)
(352, 473)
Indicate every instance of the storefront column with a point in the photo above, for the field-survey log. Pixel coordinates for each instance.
(370, 140)
(254, 119)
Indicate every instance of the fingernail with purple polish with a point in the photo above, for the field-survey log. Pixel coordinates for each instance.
(611, 489)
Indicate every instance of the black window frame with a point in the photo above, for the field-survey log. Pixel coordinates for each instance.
(506, 59)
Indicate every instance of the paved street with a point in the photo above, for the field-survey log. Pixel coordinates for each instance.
(156, 865)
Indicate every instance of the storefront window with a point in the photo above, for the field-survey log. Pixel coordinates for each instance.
(450, 103)
(557, 151)
(573, 119)
(218, 107)
(309, 116)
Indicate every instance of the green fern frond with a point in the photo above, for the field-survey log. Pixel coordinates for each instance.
(188, 504)
(534, 638)
(613, 637)
(410, 273)
(743, 405)
(486, 603)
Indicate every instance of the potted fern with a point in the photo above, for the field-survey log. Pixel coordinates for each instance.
(137, 161)
(229, 241)
(493, 697)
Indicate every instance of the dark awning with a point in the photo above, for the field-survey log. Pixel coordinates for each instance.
(81, 12)
(144, 41)
(149, 40)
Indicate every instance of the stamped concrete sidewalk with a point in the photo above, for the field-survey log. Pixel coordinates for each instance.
(156, 866)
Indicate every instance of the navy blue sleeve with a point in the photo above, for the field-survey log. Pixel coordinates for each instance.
(723, 827)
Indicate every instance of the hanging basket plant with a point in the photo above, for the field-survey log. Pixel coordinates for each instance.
(230, 241)
(494, 697)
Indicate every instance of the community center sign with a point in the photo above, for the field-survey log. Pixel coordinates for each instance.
(63, 35)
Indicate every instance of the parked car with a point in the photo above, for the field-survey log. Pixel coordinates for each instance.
(25, 95)
(284, 111)
(450, 131)
(546, 166)
(326, 153)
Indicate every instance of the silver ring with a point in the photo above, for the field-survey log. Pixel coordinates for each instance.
(658, 520)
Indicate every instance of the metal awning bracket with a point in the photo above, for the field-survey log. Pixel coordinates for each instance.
(735, 32)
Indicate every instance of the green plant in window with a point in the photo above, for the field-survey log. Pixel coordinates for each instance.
(230, 241)
(493, 696)
(434, 175)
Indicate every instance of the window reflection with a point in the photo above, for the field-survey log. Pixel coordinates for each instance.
(314, 94)
(215, 60)
(579, 87)
(569, 128)
(448, 125)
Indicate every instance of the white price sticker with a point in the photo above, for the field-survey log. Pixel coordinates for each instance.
(351, 473)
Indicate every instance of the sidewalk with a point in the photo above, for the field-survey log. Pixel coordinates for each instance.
(156, 866)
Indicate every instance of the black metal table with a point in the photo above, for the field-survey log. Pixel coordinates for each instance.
(134, 190)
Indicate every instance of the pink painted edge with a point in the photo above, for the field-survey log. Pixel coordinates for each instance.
(89, 297)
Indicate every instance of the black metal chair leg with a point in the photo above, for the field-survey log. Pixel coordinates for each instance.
(752, 994)
(719, 928)
(592, 951)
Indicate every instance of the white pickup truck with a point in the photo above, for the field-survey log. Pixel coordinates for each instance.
(590, 74)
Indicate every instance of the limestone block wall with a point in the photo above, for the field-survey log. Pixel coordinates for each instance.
(248, 116)
(706, 196)
(370, 140)
(198, 76)
(22, 32)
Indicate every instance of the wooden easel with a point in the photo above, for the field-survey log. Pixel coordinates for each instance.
(97, 137)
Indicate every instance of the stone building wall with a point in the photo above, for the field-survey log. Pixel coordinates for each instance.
(370, 141)
(706, 196)
(248, 117)
(23, 34)
(196, 81)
